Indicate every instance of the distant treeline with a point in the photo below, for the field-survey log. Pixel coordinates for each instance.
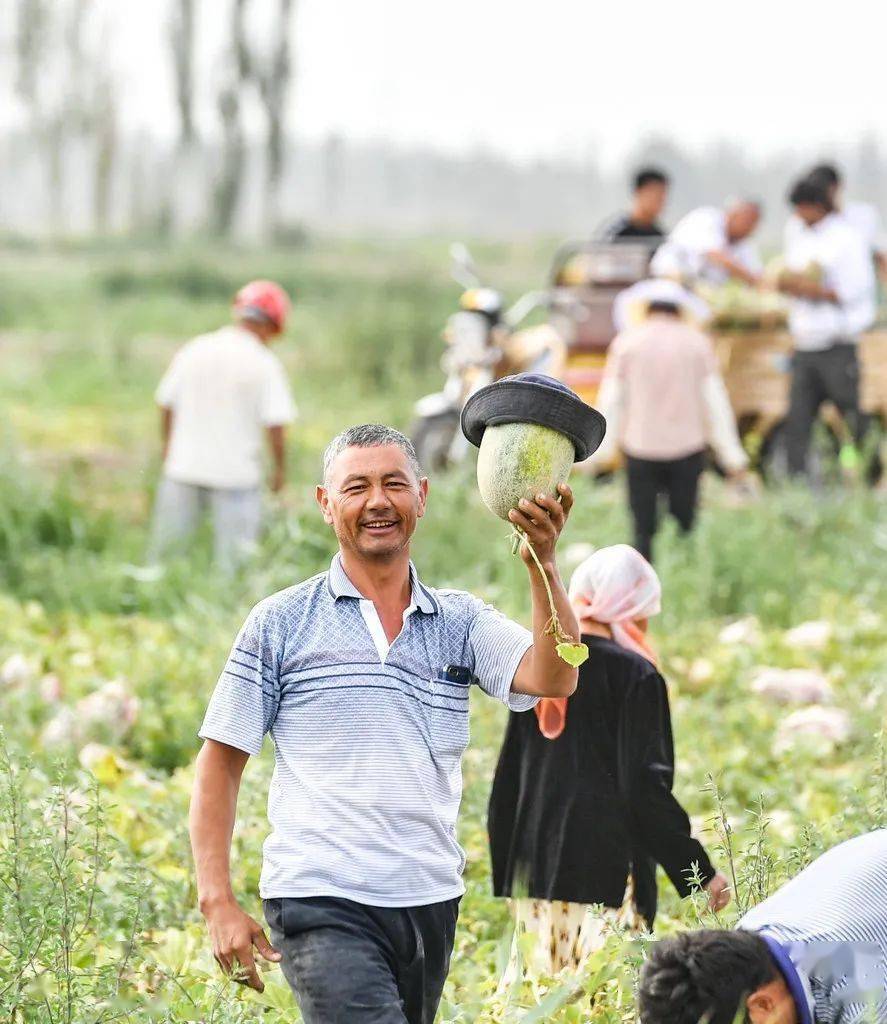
(340, 186)
(75, 166)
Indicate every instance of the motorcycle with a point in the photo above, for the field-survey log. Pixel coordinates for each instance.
(482, 345)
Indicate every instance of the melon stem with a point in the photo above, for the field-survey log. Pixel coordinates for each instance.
(554, 623)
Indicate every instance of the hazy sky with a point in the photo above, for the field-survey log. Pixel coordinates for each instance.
(559, 77)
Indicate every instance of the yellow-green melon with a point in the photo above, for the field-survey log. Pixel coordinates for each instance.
(521, 460)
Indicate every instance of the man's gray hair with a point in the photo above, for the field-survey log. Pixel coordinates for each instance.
(369, 435)
(735, 201)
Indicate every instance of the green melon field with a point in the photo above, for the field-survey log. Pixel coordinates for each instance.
(106, 666)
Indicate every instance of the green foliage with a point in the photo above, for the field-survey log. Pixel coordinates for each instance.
(98, 920)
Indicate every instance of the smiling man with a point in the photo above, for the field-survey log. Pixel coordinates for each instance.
(362, 676)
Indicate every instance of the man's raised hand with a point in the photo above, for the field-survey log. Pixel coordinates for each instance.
(542, 521)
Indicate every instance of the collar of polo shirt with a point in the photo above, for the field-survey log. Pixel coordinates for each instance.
(793, 978)
(341, 586)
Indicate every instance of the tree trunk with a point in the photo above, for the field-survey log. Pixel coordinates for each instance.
(229, 182)
(181, 38)
(55, 150)
(230, 179)
(106, 152)
(274, 85)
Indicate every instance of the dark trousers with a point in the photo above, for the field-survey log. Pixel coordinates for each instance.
(829, 375)
(352, 964)
(648, 479)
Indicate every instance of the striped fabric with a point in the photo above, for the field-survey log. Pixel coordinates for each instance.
(368, 777)
(827, 930)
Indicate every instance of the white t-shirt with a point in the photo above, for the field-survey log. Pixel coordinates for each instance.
(223, 389)
(847, 269)
(867, 221)
(862, 217)
(702, 231)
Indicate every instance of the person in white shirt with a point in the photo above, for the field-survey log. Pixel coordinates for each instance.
(222, 392)
(712, 244)
(831, 281)
(864, 217)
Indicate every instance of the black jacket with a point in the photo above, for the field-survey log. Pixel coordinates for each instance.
(570, 818)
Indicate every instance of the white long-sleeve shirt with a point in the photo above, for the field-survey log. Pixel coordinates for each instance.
(845, 258)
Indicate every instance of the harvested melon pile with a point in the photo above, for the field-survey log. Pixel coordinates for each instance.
(736, 306)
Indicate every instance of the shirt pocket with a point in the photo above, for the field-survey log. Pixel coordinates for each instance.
(449, 716)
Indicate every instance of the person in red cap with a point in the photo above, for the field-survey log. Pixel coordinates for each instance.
(222, 392)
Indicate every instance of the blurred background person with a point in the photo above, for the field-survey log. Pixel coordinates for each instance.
(221, 393)
(713, 244)
(582, 808)
(864, 217)
(831, 283)
(665, 402)
(641, 221)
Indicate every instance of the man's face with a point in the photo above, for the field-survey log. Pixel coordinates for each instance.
(742, 221)
(651, 199)
(810, 213)
(373, 499)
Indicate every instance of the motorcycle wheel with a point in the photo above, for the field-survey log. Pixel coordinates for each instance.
(432, 438)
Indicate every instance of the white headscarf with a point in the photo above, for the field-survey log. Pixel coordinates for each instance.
(617, 586)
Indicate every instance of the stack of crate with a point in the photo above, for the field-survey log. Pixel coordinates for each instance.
(755, 365)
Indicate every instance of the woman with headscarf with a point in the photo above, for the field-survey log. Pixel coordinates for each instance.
(582, 807)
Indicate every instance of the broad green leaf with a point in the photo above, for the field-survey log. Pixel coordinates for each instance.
(572, 654)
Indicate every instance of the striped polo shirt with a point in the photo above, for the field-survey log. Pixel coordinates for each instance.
(827, 932)
(368, 742)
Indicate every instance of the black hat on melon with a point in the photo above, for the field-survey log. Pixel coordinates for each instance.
(534, 398)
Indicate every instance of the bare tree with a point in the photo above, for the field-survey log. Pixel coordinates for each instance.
(76, 101)
(181, 37)
(229, 182)
(230, 179)
(105, 136)
(274, 81)
(183, 193)
(32, 26)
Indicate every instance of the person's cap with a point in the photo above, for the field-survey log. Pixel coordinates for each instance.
(263, 300)
(534, 398)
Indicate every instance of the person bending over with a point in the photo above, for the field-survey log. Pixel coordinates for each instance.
(815, 952)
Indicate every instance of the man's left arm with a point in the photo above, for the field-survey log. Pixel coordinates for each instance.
(277, 411)
(166, 415)
(541, 672)
(277, 444)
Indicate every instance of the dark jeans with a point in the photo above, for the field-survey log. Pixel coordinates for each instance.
(677, 479)
(352, 964)
(829, 375)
